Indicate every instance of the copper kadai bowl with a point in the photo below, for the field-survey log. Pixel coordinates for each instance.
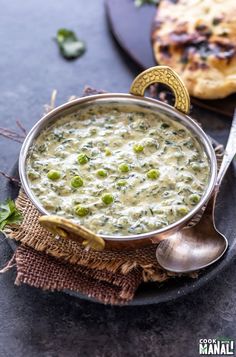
(67, 229)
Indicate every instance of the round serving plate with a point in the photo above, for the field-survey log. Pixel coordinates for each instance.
(154, 293)
(131, 27)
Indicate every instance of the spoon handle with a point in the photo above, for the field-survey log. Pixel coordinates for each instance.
(229, 153)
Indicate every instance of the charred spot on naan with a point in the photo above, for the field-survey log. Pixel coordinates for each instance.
(207, 47)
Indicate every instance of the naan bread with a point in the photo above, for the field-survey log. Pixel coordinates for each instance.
(197, 38)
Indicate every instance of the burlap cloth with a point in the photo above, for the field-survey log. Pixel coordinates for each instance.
(51, 263)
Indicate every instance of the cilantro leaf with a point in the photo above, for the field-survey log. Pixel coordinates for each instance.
(70, 46)
(139, 3)
(9, 214)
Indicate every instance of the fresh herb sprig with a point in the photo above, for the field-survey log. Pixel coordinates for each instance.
(9, 214)
(139, 3)
(69, 44)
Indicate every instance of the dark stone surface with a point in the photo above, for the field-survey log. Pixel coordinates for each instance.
(36, 323)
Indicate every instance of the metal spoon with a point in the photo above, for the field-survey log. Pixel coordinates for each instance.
(201, 245)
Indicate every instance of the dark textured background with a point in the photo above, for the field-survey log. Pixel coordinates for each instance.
(36, 323)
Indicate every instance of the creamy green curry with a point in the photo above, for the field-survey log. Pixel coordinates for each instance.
(117, 172)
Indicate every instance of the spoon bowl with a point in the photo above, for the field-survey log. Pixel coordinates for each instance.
(193, 248)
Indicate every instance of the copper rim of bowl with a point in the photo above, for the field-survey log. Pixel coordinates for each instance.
(148, 103)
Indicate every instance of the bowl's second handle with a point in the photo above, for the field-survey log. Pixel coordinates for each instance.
(66, 229)
(164, 75)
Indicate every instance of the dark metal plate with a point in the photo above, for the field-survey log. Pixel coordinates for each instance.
(177, 287)
(131, 27)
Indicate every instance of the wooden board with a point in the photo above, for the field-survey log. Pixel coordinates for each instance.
(131, 26)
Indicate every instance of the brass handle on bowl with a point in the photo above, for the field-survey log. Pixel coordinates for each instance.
(69, 230)
(164, 75)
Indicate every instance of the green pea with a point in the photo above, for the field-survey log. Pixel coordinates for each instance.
(81, 211)
(138, 148)
(124, 168)
(76, 182)
(102, 173)
(153, 174)
(107, 152)
(107, 198)
(183, 210)
(82, 159)
(121, 183)
(194, 198)
(54, 175)
(195, 166)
